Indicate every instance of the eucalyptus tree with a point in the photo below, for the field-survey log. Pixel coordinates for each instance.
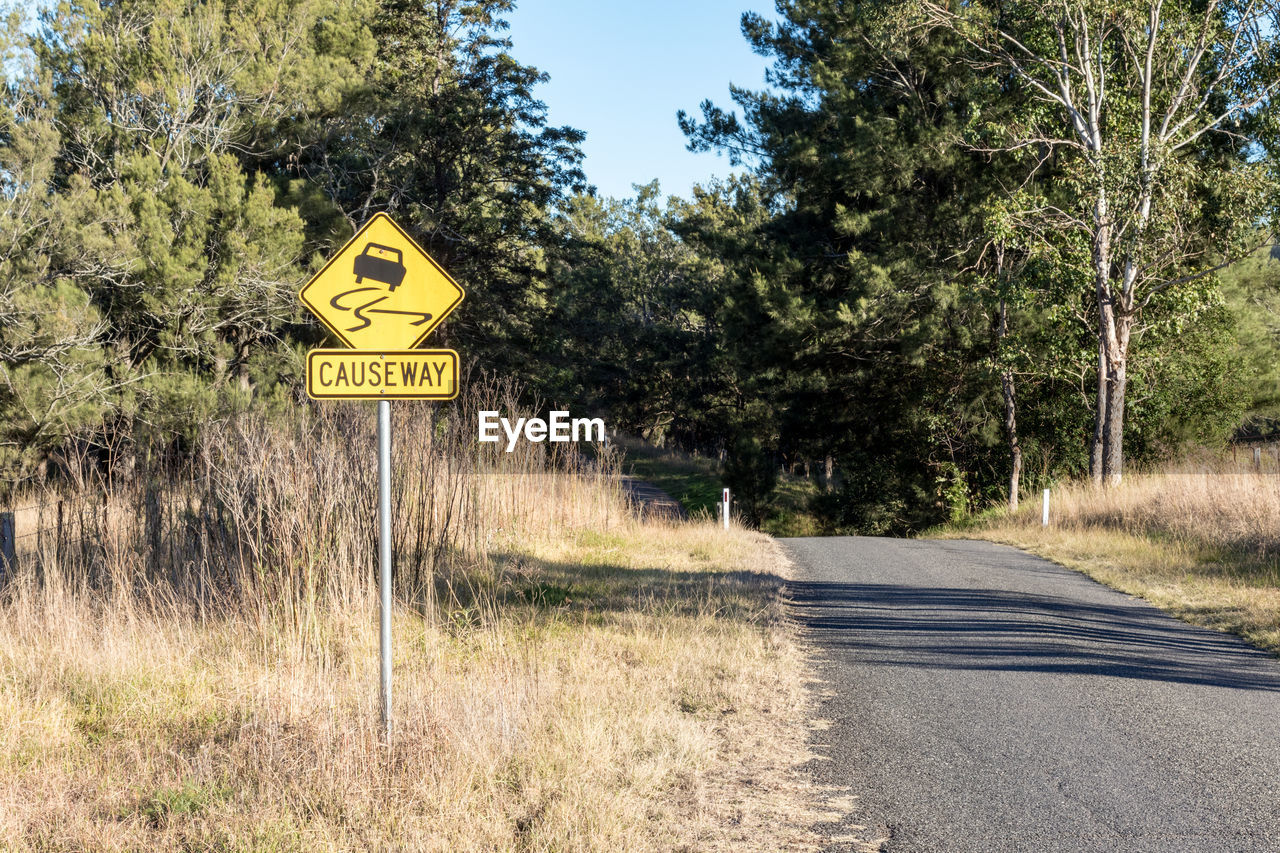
(1151, 113)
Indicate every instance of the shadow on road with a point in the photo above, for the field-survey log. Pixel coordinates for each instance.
(980, 629)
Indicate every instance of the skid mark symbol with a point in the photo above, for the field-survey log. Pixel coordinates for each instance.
(359, 310)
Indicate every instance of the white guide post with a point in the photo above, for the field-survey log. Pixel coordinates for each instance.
(384, 557)
(725, 509)
(1044, 510)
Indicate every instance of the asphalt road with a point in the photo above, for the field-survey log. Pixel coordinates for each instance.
(981, 699)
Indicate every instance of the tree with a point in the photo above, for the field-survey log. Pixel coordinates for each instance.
(1151, 111)
(447, 135)
(52, 365)
(751, 474)
(860, 316)
(1251, 292)
(625, 326)
(137, 218)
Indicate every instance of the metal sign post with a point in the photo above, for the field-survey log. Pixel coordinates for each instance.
(381, 295)
(384, 558)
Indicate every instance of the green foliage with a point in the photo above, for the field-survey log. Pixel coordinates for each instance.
(191, 799)
(1251, 293)
(1139, 126)
(170, 172)
(446, 135)
(150, 256)
(859, 327)
(953, 492)
(751, 473)
(52, 383)
(636, 321)
(1185, 387)
(872, 295)
(694, 481)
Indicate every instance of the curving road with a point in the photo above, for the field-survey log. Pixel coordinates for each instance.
(981, 699)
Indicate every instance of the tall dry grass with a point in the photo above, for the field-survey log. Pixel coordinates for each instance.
(1214, 507)
(191, 664)
(1200, 539)
(270, 511)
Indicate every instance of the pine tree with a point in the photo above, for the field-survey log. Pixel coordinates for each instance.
(138, 127)
(854, 300)
(449, 138)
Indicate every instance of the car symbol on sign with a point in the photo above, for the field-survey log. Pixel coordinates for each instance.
(380, 263)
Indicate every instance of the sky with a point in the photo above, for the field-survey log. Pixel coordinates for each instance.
(621, 69)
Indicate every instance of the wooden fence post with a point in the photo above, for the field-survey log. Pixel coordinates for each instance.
(58, 552)
(8, 547)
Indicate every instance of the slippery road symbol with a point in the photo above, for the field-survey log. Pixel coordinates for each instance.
(381, 272)
(384, 264)
(359, 310)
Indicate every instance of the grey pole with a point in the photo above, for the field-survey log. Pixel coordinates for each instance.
(384, 556)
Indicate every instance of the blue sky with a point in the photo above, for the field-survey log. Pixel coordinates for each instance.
(621, 69)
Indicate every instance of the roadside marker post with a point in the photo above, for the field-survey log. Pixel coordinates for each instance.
(1044, 510)
(725, 509)
(382, 295)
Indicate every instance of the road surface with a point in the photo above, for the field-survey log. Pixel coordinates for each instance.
(981, 699)
(651, 501)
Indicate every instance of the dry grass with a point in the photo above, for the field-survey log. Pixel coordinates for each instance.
(565, 678)
(1202, 542)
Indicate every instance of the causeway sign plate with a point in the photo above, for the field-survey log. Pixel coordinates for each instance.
(415, 374)
(381, 291)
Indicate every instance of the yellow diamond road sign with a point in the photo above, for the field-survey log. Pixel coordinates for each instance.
(381, 291)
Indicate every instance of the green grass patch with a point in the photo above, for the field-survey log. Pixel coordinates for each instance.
(188, 800)
(696, 482)
(790, 514)
(546, 595)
